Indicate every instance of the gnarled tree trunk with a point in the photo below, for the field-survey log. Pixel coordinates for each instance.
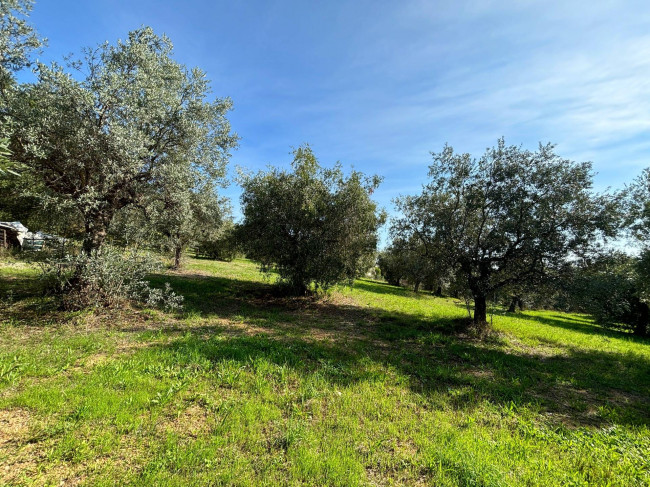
(96, 228)
(480, 309)
(516, 301)
(178, 253)
(641, 327)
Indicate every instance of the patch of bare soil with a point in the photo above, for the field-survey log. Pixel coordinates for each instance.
(184, 272)
(14, 427)
(191, 422)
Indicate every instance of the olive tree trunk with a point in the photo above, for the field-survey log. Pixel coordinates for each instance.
(178, 253)
(516, 301)
(641, 328)
(95, 230)
(480, 309)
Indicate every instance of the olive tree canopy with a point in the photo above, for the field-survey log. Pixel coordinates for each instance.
(505, 218)
(128, 120)
(312, 225)
(18, 41)
(184, 211)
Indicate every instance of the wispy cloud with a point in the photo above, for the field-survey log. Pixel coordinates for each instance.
(379, 84)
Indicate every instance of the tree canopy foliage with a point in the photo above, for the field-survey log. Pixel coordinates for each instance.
(408, 260)
(18, 39)
(615, 287)
(135, 123)
(504, 218)
(312, 225)
(610, 287)
(185, 209)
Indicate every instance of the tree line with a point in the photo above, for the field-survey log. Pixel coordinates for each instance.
(125, 145)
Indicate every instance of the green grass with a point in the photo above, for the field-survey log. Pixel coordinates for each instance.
(371, 385)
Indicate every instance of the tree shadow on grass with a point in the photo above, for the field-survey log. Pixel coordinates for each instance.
(381, 287)
(206, 294)
(582, 325)
(242, 321)
(576, 387)
(25, 300)
(19, 288)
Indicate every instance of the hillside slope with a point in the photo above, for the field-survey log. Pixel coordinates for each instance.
(367, 386)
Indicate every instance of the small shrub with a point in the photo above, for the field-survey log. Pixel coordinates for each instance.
(106, 278)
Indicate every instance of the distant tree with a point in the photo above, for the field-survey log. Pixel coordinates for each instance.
(642, 284)
(211, 218)
(312, 225)
(224, 244)
(392, 266)
(134, 122)
(183, 210)
(417, 267)
(637, 222)
(504, 218)
(18, 41)
(184, 218)
(611, 287)
(409, 260)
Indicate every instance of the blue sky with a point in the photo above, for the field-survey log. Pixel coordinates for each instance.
(378, 85)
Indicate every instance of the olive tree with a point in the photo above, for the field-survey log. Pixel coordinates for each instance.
(312, 225)
(184, 211)
(505, 218)
(116, 133)
(636, 221)
(18, 41)
(411, 260)
(207, 218)
(183, 217)
(223, 244)
(610, 286)
(391, 265)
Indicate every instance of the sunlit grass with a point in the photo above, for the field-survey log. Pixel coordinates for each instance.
(370, 385)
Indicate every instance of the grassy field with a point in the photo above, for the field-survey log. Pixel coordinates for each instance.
(372, 385)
